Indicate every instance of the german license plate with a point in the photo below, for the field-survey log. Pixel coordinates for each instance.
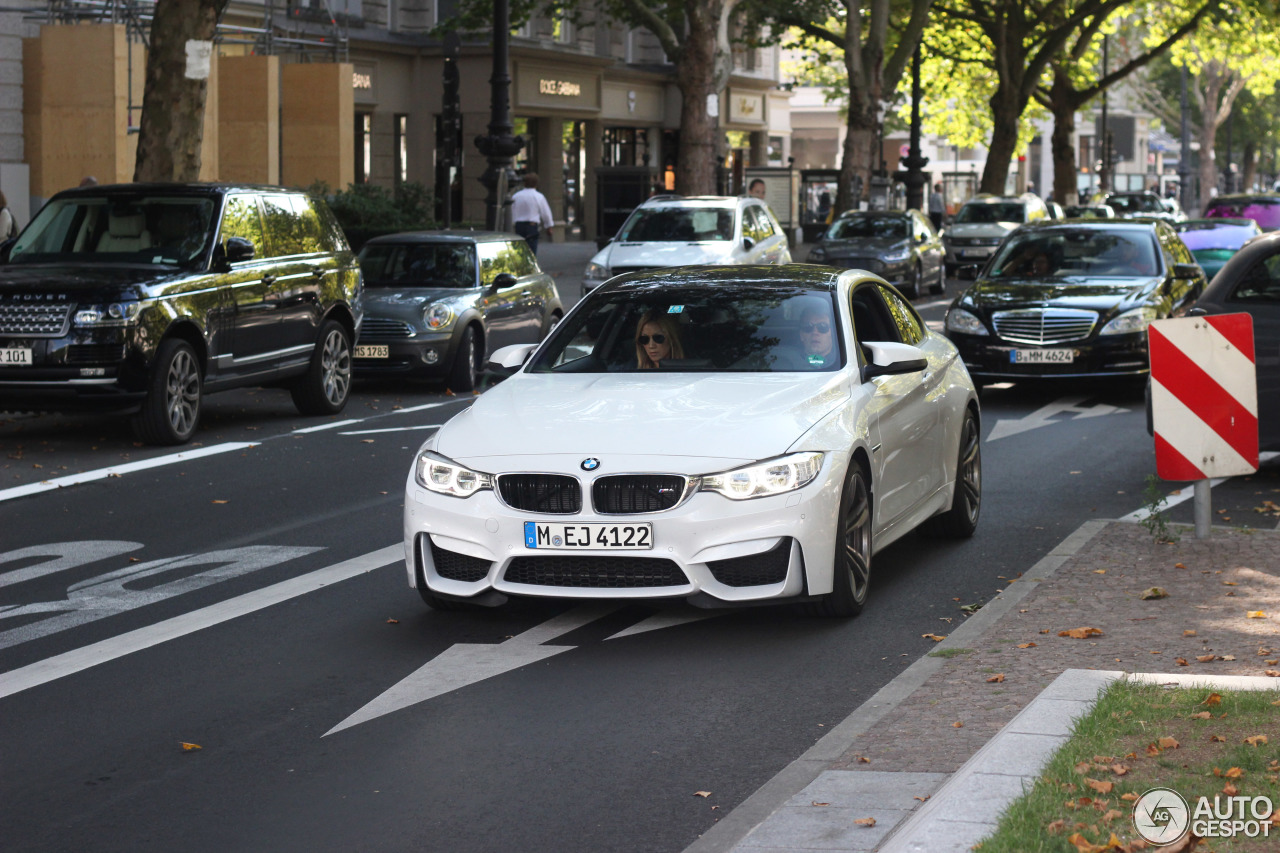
(970, 253)
(372, 351)
(1042, 356)
(14, 355)
(611, 537)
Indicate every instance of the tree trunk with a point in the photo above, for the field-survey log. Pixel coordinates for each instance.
(1208, 162)
(1063, 107)
(695, 77)
(1004, 141)
(171, 130)
(858, 160)
(1250, 162)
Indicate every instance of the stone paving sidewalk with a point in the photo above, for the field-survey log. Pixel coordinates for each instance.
(1212, 585)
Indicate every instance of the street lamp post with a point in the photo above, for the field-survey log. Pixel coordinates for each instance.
(913, 176)
(499, 147)
(1184, 157)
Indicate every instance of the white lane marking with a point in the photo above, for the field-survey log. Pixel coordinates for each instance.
(1170, 500)
(110, 594)
(62, 556)
(468, 663)
(666, 619)
(119, 470)
(81, 659)
(424, 407)
(392, 429)
(333, 425)
(934, 304)
(1042, 417)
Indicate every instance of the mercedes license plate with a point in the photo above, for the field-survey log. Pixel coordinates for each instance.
(372, 351)
(612, 537)
(14, 355)
(1042, 356)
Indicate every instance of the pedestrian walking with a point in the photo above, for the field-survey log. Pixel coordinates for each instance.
(530, 212)
(8, 224)
(937, 206)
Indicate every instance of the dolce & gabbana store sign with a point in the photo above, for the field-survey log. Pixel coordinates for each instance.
(746, 107)
(555, 88)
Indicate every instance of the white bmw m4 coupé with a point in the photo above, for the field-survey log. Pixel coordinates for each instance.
(723, 435)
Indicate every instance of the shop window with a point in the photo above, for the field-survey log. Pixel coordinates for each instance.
(626, 146)
(526, 159)
(364, 147)
(774, 152)
(402, 147)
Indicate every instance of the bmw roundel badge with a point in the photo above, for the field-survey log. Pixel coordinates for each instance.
(590, 463)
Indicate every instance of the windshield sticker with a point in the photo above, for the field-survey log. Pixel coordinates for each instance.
(676, 309)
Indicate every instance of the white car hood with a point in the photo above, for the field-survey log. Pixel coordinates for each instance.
(734, 417)
(665, 254)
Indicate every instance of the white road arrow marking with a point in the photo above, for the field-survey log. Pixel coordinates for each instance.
(666, 619)
(1006, 427)
(468, 663)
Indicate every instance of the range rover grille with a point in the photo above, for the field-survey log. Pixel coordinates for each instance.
(1044, 325)
(550, 493)
(46, 319)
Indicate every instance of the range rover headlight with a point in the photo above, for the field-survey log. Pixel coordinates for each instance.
(960, 320)
(596, 272)
(438, 316)
(762, 479)
(443, 476)
(113, 314)
(1130, 322)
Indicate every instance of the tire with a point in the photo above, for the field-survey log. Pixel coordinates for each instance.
(175, 391)
(552, 322)
(465, 372)
(961, 519)
(325, 387)
(916, 280)
(851, 564)
(940, 286)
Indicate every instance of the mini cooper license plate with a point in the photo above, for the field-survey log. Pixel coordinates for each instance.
(611, 537)
(372, 351)
(1042, 356)
(14, 355)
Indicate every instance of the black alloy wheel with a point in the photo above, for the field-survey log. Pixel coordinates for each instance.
(325, 387)
(940, 286)
(171, 410)
(961, 520)
(851, 569)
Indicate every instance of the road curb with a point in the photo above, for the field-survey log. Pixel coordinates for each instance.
(793, 778)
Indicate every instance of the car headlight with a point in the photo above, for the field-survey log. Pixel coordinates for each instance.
(446, 477)
(960, 320)
(596, 271)
(115, 314)
(762, 479)
(438, 316)
(1130, 322)
(817, 253)
(897, 257)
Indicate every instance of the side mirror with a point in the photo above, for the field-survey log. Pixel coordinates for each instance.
(1186, 271)
(968, 273)
(747, 242)
(502, 281)
(507, 360)
(239, 249)
(893, 359)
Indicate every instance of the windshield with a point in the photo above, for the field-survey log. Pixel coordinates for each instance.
(419, 265)
(678, 224)
(984, 212)
(893, 227)
(1229, 234)
(1135, 204)
(729, 328)
(1084, 252)
(1265, 212)
(151, 229)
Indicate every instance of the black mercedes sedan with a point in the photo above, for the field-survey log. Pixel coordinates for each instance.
(1071, 299)
(900, 246)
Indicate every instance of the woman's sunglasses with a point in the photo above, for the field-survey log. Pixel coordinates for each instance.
(643, 340)
(820, 328)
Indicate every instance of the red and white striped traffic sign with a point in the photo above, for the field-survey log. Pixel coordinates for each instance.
(1204, 396)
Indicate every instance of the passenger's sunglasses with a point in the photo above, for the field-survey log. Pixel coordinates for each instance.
(643, 340)
(820, 328)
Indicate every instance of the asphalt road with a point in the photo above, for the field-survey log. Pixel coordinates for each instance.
(253, 601)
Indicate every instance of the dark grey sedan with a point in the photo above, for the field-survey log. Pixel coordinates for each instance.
(899, 246)
(1250, 283)
(437, 302)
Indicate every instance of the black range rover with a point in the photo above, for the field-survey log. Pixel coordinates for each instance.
(141, 298)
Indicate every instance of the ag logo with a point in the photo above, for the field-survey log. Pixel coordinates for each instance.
(590, 463)
(1161, 815)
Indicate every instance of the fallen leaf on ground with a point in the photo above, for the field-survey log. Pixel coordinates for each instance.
(1256, 740)
(703, 794)
(868, 822)
(1206, 658)
(1026, 645)
(1119, 769)
(957, 725)
(1256, 614)
(187, 747)
(1217, 739)
(1230, 790)
(1056, 826)
(996, 679)
(1100, 787)
(1212, 699)
(862, 759)
(1129, 796)
(1099, 571)
(1111, 815)
(1153, 593)
(922, 799)
(1188, 633)
(1082, 767)
(1273, 673)
(393, 621)
(1181, 662)
(1167, 743)
(217, 502)
(1179, 566)
(936, 638)
(1228, 657)
(1080, 633)
(1203, 715)
(819, 804)
(1230, 583)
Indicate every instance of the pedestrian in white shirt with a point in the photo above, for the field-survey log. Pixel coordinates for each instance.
(530, 212)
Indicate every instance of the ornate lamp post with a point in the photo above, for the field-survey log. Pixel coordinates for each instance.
(913, 176)
(499, 146)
